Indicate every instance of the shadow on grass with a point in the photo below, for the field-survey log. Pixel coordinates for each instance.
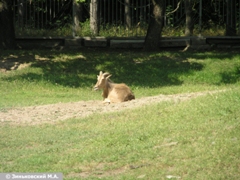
(231, 77)
(145, 69)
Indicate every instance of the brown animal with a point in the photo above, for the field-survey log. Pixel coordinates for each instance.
(112, 93)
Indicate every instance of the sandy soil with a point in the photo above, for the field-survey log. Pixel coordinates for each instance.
(53, 113)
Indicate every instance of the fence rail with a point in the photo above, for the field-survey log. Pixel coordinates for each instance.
(37, 18)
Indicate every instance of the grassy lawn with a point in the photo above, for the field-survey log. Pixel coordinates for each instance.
(194, 139)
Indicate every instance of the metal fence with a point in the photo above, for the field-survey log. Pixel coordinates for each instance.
(37, 18)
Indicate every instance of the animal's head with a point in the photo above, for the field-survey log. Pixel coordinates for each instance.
(102, 80)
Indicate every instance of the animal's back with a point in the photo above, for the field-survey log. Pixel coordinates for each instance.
(120, 93)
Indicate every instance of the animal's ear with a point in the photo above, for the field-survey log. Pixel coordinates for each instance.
(108, 76)
(100, 73)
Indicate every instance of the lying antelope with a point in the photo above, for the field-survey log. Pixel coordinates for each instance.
(112, 93)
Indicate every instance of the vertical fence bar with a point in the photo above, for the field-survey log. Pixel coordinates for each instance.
(136, 19)
(113, 12)
(141, 17)
(117, 16)
(219, 10)
(50, 11)
(26, 16)
(181, 9)
(140, 11)
(227, 14)
(108, 12)
(34, 14)
(117, 11)
(144, 12)
(58, 5)
(42, 16)
(137, 13)
(200, 17)
(100, 15)
(149, 10)
(15, 17)
(37, 14)
(175, 14)
(104, 13)
(121, 19)
(237, 20)
(223, 9)
(54, 8)
(14, 13)
(172, 3)
(231, 15)
(132, 20)
(172, 20)
(46, 11)
(239, 17)
(30, 14)
(24, 8)
(73, 18)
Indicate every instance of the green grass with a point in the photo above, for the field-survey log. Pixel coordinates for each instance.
(194, 139)
(54, 76)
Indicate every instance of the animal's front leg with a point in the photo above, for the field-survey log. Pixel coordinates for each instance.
(106, 101)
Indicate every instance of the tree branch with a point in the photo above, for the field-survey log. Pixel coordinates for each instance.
(178, 5)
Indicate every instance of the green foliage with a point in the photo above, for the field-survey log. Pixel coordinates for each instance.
(85, 29)
(80, 1)
(114, 31)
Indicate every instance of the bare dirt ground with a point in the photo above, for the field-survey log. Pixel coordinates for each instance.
(53, 113)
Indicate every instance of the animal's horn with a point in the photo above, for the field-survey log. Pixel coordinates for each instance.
(106, 74)
(109, 75)
(100, 73)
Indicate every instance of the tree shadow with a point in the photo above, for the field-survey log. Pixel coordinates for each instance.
(13, 62)
(136, 68)
(149, 72)
(231, 77)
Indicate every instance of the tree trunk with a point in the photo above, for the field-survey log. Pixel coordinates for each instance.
(189, 18)
(7, 33)
(21, 14)
(156, 24)
(127, 14)
(94, 17)
(231, 19)
(77, 17)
